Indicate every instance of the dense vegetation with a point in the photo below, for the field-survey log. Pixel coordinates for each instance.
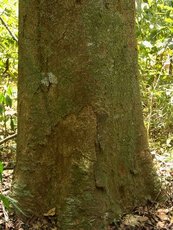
(8, 80)
(154, 32)
(8, 66)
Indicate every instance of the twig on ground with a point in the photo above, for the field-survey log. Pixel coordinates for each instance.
(8, 138)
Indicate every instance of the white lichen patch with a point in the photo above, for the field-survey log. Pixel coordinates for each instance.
(52, 78)
(45, 81)
(48, 78)
(90, 44)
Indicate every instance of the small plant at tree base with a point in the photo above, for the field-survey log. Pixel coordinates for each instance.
(155, 45)
(7, 201)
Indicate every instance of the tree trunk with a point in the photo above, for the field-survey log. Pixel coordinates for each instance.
(82, 147)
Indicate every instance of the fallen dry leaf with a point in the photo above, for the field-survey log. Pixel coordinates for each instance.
(162, 214)
(51, 212)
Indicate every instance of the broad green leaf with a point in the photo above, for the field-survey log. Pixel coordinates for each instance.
(8, 101)
(5, 201)
(169, 20)
(12, 123)
(9, 90)
(1, 109)
(2, 97)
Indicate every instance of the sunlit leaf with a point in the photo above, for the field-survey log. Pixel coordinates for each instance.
(169, 20)
(1, 170)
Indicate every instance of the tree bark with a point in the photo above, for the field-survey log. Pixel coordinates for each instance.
(82, 147)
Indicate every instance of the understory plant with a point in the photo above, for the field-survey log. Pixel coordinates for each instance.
(7, 201)
(155, 44)
(8, 66)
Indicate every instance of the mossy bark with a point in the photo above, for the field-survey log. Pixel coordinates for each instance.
(82, 147)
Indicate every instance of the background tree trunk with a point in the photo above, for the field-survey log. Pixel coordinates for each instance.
(81, 142)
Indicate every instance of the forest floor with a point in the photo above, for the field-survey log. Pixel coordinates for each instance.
(156, 214)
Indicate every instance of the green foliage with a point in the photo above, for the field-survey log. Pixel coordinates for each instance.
(8, 65)
(8, 201)
(5, 201)
(155, 33)
(8, 47)
(3, 198)
(8, 77)
(7, 112)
